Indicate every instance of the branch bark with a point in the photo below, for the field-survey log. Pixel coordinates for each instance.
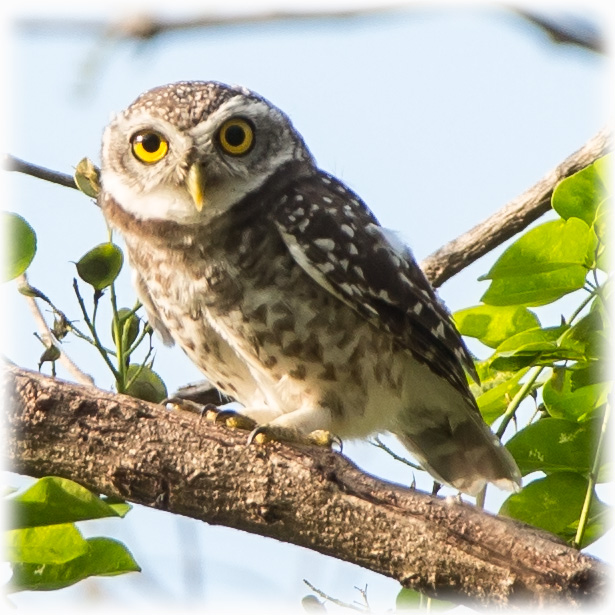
(306, 496)
(516, 215)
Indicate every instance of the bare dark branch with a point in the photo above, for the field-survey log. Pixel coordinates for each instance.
(307, 496)
(512, 218)
(581, 34)
(147, 26)
(11, 163)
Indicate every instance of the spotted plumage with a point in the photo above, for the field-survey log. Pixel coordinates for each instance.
(281, 286)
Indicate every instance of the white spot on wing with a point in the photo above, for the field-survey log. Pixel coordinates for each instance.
(348, 230)
(325, 244)
(440, 330)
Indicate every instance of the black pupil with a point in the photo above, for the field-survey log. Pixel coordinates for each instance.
(150, 143)
(235, 135)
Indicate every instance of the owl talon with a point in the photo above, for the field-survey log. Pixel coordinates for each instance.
(321, 437)
(272, 433)
(186, 405)
(233, 419)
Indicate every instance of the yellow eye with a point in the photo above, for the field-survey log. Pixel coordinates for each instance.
(149, 146)
(236, 136)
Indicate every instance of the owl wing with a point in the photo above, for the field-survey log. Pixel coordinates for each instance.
(334, 237)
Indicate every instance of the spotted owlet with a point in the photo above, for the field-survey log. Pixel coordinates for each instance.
(280, 285)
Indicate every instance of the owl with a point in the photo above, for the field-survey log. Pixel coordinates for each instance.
(281, 286)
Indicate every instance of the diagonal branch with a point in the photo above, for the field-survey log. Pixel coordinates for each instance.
(306, 496)
(512, 218)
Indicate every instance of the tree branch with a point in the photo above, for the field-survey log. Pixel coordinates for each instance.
(12, 163)
(146, 26)
(512, 218)
(306, 496)
(565, 32)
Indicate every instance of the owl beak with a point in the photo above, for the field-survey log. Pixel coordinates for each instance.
(195, 183)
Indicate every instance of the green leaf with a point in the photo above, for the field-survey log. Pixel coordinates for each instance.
(49, 544)
(554, 503)
(119, 506)
(101, 265)
(493, 324)
(147, 386)
(603, 168)
(20, 245)
(588, 335)
(555, 445)
(599, 522)
(601, 228)
(411, 600)
(103, 557)
(53, 500)
(543, 265)
(579, 404)
(50, 354)
(533, 340)
(584, 374)
(128, 321)
(87, 177)
(494, 401)
(539, 346)
(311, 604)
(578, 195)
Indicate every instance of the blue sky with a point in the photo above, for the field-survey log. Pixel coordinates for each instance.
(435, 116)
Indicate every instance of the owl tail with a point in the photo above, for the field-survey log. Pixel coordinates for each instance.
(465, 456)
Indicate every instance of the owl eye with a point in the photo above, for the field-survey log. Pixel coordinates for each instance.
(149, 146)
(236, 136)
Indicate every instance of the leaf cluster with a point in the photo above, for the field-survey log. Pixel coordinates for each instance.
(561, 365)
(44, 546)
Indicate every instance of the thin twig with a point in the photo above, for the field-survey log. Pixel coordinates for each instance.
(593, 479)
(48, 338)
(11, 163)
(378, 443)
(513, 406)
(97, 343)
(341, 603)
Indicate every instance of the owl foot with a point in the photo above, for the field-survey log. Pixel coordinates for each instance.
(186, 405)
(233, 419)
(274, 433)
(211, 412)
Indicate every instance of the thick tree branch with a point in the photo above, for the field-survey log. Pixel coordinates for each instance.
(310, 497)
(512, 218)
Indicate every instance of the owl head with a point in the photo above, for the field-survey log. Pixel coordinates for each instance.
(189, 151)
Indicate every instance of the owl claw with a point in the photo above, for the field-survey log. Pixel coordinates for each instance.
(272, 433)
(233, 419)
(187, 405)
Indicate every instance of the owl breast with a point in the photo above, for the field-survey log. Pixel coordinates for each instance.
(266, 334)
